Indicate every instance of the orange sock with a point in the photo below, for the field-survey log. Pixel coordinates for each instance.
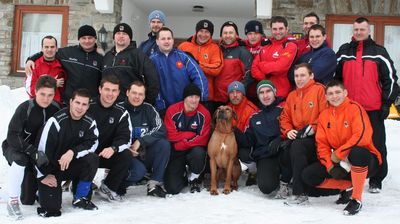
(330, 183)
(358, 176)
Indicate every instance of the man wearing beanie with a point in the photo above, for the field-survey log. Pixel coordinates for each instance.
(275, 59)
(207, 53)
(129, 64)
(188, 126)
(156, 21)
(237, 62)
(81, 63)
(255, 148)
(175, 70)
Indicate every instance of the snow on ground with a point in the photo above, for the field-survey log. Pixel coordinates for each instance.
(248, 205)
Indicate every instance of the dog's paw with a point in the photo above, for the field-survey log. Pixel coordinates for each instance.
(213, 191)
(227, 191)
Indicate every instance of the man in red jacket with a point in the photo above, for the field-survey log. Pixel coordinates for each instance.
(188, 126)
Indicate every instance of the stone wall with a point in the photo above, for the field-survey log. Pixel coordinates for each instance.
(80, 12)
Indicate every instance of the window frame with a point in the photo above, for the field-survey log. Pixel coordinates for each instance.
(20, 10)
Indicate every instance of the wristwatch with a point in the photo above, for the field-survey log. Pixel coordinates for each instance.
(114, 148)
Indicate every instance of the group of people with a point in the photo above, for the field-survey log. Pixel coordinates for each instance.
(304, 121)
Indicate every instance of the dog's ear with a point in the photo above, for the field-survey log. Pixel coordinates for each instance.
(234, 115)
(214, 120)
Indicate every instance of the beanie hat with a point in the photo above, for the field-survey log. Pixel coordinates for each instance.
(236, 85)
(190, 90)
(123, 27)
(157, 14)
(86, 30)
(229, 23)
(266, 83)
(253, 26)
(205, 24)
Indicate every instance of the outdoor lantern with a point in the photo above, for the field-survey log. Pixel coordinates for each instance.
(102, 35)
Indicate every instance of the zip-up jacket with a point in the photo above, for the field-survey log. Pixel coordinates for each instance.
(176, 70)
(244, 110)
(237, 65)
(303, 46)
(340, 129)
(129, 65)
(302, 107)
(114, 126)
(149, 46)
(147, 125)
(209, 57)
(273, 63)
(61, 133)
(186, 130)
(368, 73)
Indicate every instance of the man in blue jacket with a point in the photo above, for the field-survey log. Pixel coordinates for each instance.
(156, 22)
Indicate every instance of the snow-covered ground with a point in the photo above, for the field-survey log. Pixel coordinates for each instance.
(248, 205)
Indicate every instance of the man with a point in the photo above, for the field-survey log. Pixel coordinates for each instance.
(150, 148)
(68, 140)
(129, 64)
(20, 149)
(255, 142)
(115, 129)
(345, 150)
(207, 53)
(321, 57)
(237, 62)
(370, 77)
(188, 127)
(244, 109)
(275, 59)
(156, 21)
(81, 63)
(47, 65)
(176, 70)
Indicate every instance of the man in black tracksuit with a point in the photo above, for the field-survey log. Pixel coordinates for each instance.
(81, 62)
(129, 64)
(68, 139)
(115, 128)
(20, 149)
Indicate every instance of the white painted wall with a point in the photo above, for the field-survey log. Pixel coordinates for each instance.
(137, 19)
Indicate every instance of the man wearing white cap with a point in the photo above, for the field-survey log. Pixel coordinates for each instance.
(156, 22)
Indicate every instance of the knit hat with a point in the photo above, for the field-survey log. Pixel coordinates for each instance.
(190, 90)
(205, 24)
(157, 14)
(266, 83)
(86, 30)
(253, 26)
(229, 23)
(236, 85)
(123, 27)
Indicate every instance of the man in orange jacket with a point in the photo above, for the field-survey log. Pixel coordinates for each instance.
(347, 155)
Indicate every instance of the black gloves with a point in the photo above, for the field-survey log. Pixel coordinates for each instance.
(275, 146)
(305, 132)
(385, 109)
(38, 156)
(337, 172)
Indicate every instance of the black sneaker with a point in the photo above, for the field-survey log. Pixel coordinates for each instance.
(42, 212)
(84, 203)
(345, 196)
(251, 179)
(157, 191)
(353, 207)
(194, 185)
(374, 188)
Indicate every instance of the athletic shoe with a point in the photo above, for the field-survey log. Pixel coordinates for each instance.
(353, 207)
(251, 179)
(345, 196)
(156, 191)
(14, 210)
(297, 200)
(283, 192)
(106, 193)
(194, 185)
(374, 188)
(84, 203)
(44, 213)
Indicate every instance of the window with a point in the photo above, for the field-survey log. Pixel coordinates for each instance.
(31, 24)
(385, 31)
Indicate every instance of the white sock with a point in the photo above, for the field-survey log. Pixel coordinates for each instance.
(251, 166)
(15, 178)
(193, 176)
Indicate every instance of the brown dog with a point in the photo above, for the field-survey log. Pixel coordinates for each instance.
(222, 149)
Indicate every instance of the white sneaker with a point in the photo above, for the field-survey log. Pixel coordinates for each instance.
(14, 210)
(108, 194)
(297, 200)
(283, 192)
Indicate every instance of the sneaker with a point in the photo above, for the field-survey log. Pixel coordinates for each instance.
(194, 185)
(106, 193)
(345, 196)
(283, 192)
(14, 210)
(42, 212)
(353, 207)
(251, 179)
(374, 188)
(84, 203)
(297, 200)
(156, 191)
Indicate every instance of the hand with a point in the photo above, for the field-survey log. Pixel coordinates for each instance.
(29, 66)
(135, 148)
(107, 153)
(337, 172)
(65, 160)
(385, 109)
(60, 82)
(275, 146)
(292, 134)
(50, 180)
(41, 159)
(334, 158)
(305, 132)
